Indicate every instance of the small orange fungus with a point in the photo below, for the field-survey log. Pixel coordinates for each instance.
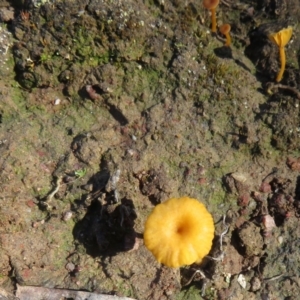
(212, 5)
(225, 29)
(179, 232)
(281, 38)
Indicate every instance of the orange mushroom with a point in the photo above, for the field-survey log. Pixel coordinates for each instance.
(212, 5)
(281, 38)
(179, 232)
(225, 29)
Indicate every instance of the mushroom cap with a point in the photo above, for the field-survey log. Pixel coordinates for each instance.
(179, 232)
(225, 28)
(282, 37)
(210, 4)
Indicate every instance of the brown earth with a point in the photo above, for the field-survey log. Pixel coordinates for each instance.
(111, 107)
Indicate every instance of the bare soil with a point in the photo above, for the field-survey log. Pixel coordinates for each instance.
(108, 108)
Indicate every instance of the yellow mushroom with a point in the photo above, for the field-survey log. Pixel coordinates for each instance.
(212, 5)
(225, 29)
(179, 232)
(281, 38)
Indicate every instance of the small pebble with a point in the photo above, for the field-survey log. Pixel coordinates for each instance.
(87, 187)
(242, 281)
(57, 101)
(67, 216)
(130, 152)
(70, 267)
(255, 284)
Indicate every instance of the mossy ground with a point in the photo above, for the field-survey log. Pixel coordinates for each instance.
(136, 91)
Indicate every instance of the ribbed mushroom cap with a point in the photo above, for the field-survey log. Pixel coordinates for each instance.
(179, 232)
(210, 4)
(282, 37)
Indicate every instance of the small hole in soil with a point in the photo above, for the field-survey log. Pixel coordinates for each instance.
(235, 241)
(297, 189)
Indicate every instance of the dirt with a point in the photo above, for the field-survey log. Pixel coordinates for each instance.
(109, 108)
